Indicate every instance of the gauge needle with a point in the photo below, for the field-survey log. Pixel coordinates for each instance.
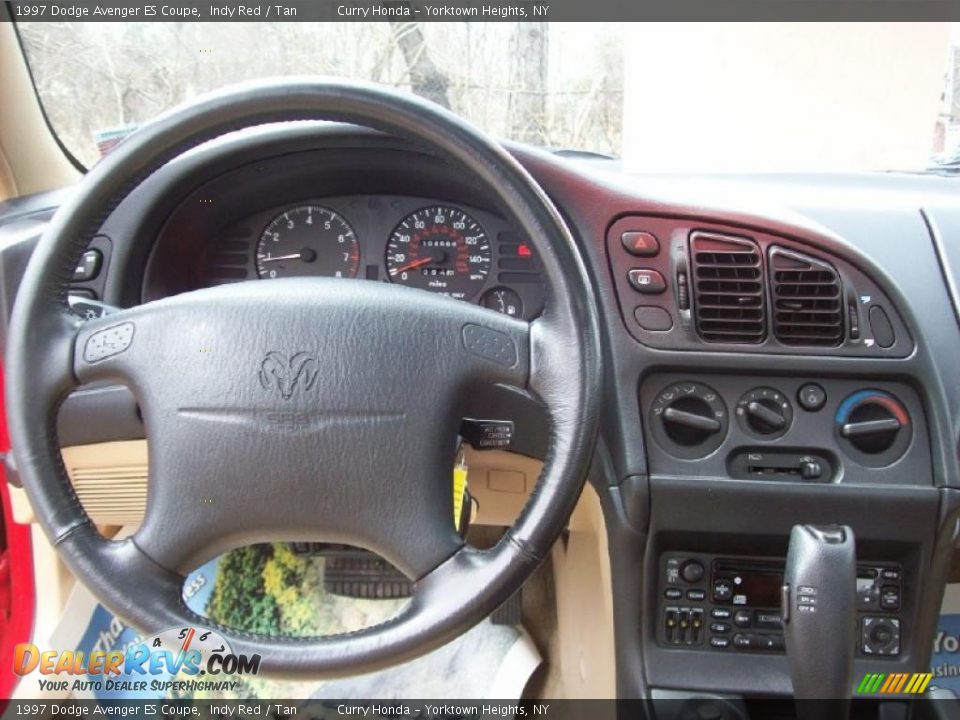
(411, 265)
(307, 255)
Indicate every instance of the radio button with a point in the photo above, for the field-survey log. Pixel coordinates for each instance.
(721, 613)
(767, 620)
(769, 642)
(720, 642)
(696, 595)
(673, 593)
(722, 591)
(720, 627)
(743, 641)
(743, 618)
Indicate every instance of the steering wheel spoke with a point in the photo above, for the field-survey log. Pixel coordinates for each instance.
(108, 347)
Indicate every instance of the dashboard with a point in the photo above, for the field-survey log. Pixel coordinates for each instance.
(781, 350)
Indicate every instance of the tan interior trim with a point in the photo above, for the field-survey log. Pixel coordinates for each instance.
(31, 161)
(111, 481)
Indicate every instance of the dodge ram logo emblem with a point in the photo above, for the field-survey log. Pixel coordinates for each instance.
(285, 374)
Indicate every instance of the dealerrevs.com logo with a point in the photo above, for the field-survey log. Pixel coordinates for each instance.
(147, 665)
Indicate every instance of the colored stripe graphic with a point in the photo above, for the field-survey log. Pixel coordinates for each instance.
(864, 684)
(894, 684)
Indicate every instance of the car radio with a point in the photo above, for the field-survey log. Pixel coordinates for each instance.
(724, 603)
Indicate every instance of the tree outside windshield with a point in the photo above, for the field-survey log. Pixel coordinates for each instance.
(555, 85)
(661, 97)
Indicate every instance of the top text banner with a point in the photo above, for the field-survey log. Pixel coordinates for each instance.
(484, 11)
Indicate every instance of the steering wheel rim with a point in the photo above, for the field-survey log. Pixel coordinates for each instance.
(557, 357)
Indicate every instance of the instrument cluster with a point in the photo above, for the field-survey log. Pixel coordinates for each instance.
(465, 253)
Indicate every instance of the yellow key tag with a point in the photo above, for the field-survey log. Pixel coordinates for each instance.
(459, 492)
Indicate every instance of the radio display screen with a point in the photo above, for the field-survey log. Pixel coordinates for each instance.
(758, 587)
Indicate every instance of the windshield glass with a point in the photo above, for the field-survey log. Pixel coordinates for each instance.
(660, 97)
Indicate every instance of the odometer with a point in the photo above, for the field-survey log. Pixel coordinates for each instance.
(441, 249)
(308, 240)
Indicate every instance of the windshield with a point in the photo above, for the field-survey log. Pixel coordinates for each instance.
(660, 97)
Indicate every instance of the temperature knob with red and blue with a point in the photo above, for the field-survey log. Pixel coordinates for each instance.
(873, 427)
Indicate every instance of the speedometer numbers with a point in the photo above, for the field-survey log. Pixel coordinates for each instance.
(308, 240)
(441, 249)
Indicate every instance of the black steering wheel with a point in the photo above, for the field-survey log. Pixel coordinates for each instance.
(304, 409)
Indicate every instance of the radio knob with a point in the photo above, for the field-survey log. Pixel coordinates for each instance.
(692, 571)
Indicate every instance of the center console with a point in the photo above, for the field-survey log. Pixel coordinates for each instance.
(732, 604)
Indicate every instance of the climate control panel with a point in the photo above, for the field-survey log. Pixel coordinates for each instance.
(786, 429)
(732, 604)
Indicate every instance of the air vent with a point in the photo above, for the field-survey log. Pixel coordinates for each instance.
(728, 289)
(807, 300)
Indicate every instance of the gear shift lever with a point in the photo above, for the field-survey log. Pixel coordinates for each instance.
(819, 617)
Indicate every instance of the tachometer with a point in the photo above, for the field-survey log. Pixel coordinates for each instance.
(441, 249)
(308, 240)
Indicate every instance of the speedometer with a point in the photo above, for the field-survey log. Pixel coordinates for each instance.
(441, 249)
(308, 240)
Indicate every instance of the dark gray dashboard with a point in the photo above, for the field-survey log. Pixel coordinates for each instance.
(884, 248)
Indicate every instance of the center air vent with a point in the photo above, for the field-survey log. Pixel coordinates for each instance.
(728, 289)
(807, 300)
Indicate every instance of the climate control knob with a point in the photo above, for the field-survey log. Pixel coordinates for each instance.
(764, 411)
(688, 419)
(873, 427)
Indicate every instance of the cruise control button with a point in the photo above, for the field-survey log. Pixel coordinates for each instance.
(88, 267)
(647, 281)
(641, 244)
